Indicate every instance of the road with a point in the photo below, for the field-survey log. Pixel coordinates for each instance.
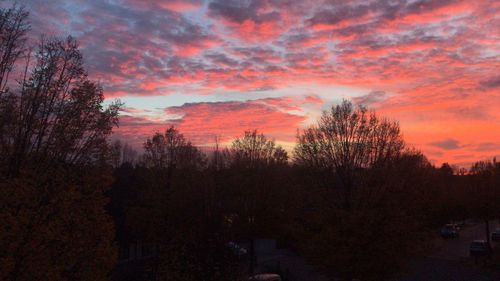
(449, 259)
(458, 248)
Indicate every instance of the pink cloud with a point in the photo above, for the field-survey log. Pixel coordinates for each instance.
(314, 99)
(204, 121)
(435, 61)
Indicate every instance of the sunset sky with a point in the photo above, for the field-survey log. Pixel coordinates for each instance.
(220, 67)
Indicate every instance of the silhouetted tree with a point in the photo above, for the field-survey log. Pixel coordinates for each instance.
(59, 115)
(121, 153)
(255, 150)
(129, 154)
(344, 141)
(54, 167)
(13, 28)
(255, 189)
(175, 209)
(255, 168)
(164, 153)
(485, 192)
(366, 181)
(446, 169)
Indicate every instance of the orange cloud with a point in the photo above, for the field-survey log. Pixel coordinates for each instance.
(227, 120)
(433, 65)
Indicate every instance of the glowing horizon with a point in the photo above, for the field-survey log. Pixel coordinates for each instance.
(220, 67)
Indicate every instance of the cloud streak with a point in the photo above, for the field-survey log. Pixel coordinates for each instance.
(202, 122)
(433, 65)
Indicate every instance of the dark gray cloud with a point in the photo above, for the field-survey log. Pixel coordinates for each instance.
(337, 13)
(476, 112)
(370, 98)
(239, 11)
(490, 83)
(487, 147)
(221, 59)
(447, 144)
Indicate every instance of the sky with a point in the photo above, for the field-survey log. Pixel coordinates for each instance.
(220, 67)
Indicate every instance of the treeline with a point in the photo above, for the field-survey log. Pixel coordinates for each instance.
(351, 197)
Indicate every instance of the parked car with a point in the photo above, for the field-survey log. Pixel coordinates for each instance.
(479, 248)
(495, 235)
(449, 231)
(265, 277)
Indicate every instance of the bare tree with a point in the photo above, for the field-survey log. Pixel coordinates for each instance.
(164, 153)
(116, 151)
(59, 115)
(254, 164)
(13, 29)
(171, 150)
(362, 182)
(345, 141)
(121, 153)
(254, 149)
(129, 154)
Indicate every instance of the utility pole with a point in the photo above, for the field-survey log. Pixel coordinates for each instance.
(251, 220)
